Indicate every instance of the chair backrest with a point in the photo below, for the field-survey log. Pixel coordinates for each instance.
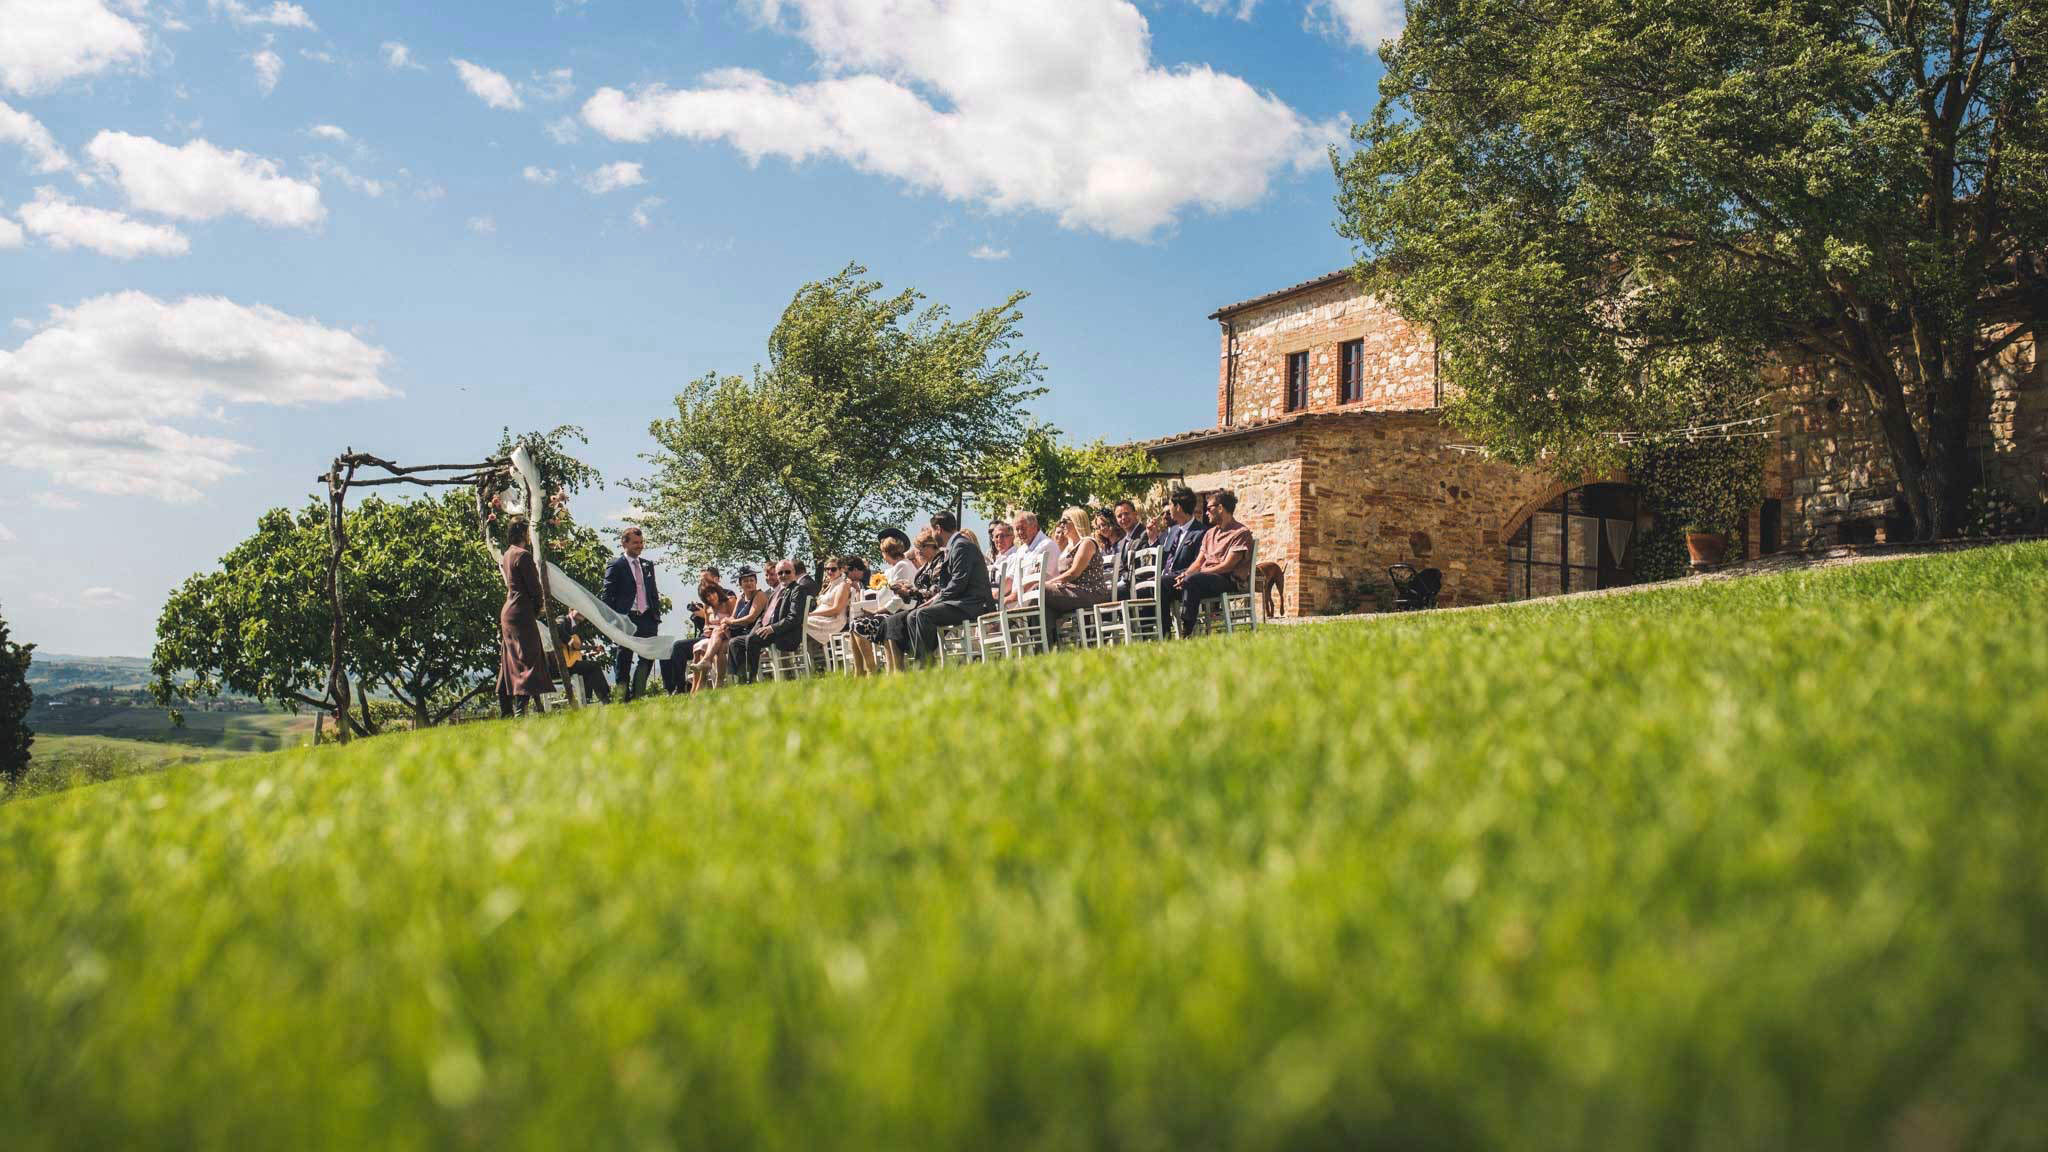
(1144, 572)
(1030, 578)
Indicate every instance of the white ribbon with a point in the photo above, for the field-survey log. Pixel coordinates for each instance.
(578, 599)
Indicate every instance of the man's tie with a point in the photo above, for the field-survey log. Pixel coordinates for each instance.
(639, 586)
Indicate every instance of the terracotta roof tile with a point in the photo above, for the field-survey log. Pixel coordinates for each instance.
(1305, 285)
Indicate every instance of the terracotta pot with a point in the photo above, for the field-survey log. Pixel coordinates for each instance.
(1706, 548)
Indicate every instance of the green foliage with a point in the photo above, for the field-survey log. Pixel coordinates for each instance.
(1704, 485)
(15, 697)
(1043, 473)
(1610, 211)
(1994, 513)
(1549, 876)
(867, 411)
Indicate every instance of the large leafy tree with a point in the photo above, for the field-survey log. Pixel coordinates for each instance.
(1046, 474)
(1611, 211)
(867, 409)
(15, 698)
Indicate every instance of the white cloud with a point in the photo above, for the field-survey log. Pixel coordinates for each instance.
(1243, 7)
(100, 397)
(199, 181)
(269, 66)
(490, 87)
(563, 131)
(56, 502)
(483, 225)
(612, 177)
(316, 57)
(62, 224)
(101, 596)
(984, 252)
(50, 41)
(18, 127)
(643, 212)
(397, 55)
(556, 84)
(329, 132)
(1362, 22)
(10, 234)
(534, 174)
(1016, 104)
(324, 168)
(278, 15)
(6, 534)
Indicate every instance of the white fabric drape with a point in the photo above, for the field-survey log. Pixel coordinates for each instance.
(575, 597)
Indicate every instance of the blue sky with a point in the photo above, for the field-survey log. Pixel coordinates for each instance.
(236, 236)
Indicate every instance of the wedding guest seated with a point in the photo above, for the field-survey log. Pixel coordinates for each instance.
(1084, 582)
(834, 608)
(583, 656)
(1181, 545)
(719, 606)
(963, 594)
(1002, 560)
(1223, 565)
(1030, 540)
(752, 601)
(781, 625)
(930, 555)
(1124, 546)
(896, 565)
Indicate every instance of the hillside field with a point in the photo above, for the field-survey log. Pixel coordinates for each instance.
(1760, 864)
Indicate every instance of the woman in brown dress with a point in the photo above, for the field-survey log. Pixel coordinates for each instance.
(522, 664)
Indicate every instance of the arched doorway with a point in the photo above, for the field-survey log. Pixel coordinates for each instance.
(1586, 538)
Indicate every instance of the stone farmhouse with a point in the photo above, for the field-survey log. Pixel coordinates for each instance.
(1329, 426)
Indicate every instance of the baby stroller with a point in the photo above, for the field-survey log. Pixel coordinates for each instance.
(1414, 590)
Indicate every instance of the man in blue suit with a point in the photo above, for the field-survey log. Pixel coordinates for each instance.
(1182, 545)
(630, 590)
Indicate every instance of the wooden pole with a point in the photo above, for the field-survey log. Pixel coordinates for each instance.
(536, 511)
(337, 543)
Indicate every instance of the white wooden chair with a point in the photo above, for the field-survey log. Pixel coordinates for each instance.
(839, 652)
(957, 645)
(796, 665)
(1138, 617)
(1021, 627)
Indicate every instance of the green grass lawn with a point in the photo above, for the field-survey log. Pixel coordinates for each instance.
(1753, 865)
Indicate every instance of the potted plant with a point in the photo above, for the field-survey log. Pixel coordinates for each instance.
(1705, 486)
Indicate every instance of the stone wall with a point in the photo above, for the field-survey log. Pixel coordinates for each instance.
(1400, 359)
(1264, 469)
(1830, 467)
(1338, 497)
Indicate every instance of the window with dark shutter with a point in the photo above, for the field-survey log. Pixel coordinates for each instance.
(1297, 381)
(1352, 362)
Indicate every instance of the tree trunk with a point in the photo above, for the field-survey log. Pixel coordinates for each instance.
(1902, 442)
(1950, 475)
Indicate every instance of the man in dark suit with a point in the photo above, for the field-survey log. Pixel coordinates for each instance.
(1125, 553)
(964, 592)
(782, 622)
(1182, 545)
(630, 590)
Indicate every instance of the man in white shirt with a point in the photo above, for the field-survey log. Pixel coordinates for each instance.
(1030, 540)
(1003, 553)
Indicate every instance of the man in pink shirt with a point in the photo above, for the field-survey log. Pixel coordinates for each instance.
(1223, 565)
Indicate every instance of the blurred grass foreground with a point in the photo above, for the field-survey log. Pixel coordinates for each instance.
(1758, 864)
